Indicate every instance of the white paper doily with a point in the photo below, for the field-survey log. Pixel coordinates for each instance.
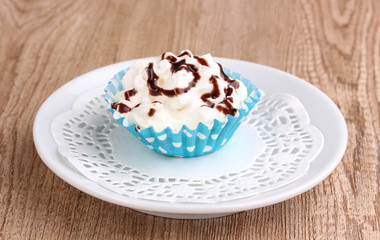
(273, 147)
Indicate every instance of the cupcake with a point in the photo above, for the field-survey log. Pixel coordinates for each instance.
(180, 105)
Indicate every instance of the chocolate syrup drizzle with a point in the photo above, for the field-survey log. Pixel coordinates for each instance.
(228, 100)
(155, 90)
(130, 93)
(185, 53)
(215, 93)
(151, 112)
(122, 108)
(225, 106)
(202, 61)
(170, 58)
(231, 83)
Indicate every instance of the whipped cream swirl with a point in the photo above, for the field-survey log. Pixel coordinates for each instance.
(172, 91)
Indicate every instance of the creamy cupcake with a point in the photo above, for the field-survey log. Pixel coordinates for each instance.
(181, 105)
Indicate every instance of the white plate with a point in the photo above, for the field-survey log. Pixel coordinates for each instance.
(322, 111)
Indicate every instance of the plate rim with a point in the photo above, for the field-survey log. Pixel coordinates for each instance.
(81, 183)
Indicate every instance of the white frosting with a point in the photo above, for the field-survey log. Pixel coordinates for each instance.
(182, 109)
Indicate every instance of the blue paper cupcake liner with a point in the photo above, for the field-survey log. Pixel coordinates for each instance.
(187, 142)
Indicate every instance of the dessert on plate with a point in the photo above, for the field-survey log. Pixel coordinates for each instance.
(180, 105)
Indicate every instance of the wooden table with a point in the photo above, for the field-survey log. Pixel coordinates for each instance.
(334, 45)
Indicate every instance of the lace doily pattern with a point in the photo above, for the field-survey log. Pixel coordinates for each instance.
(278, 127)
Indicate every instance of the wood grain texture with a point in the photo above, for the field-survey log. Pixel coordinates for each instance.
(335, 45)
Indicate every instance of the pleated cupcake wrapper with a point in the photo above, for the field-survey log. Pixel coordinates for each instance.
(187, 142)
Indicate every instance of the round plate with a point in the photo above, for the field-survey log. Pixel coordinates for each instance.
(323, 114)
